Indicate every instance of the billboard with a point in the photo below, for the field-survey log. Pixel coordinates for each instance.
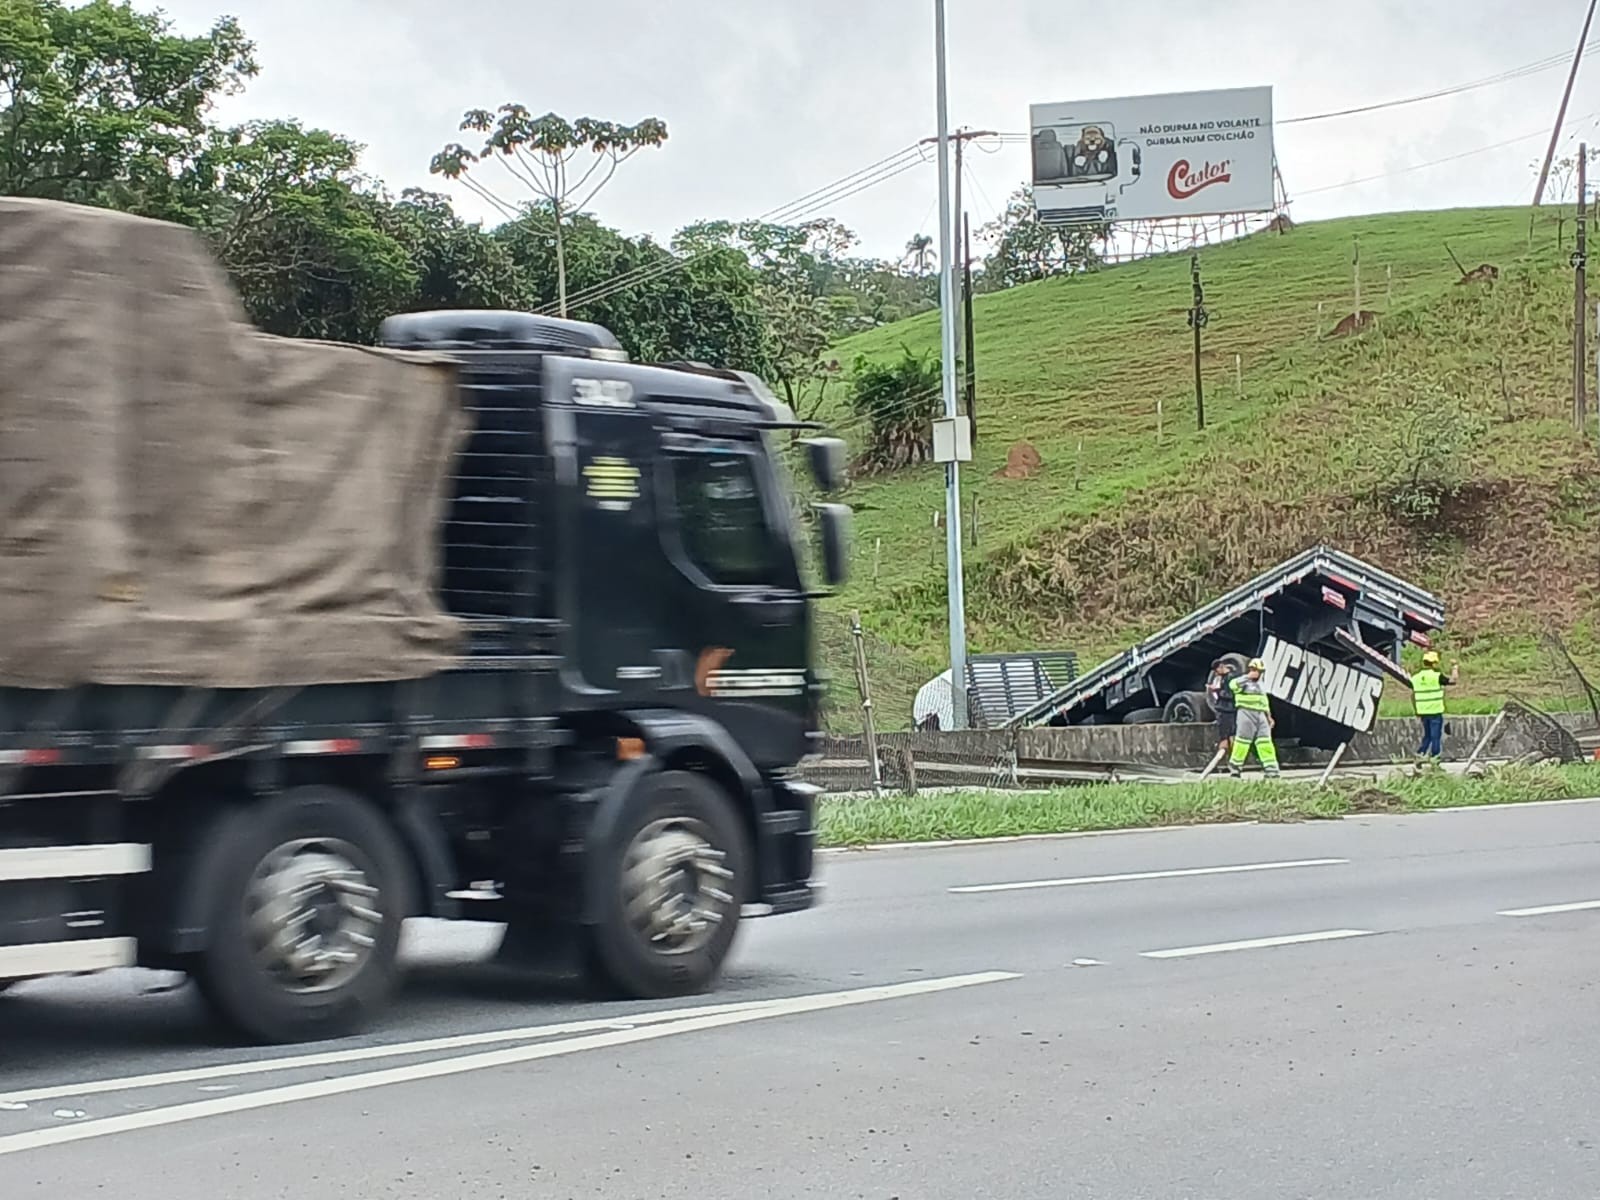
(1142, 158)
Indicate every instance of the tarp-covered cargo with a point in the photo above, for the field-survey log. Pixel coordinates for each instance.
(186, 500)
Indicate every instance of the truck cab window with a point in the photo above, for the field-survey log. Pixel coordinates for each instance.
(722, 519)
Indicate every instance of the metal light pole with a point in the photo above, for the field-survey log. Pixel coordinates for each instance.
(947, 363)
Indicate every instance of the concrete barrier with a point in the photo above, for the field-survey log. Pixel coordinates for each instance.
(910, 760)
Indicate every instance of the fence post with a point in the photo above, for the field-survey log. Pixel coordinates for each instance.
(865, 689)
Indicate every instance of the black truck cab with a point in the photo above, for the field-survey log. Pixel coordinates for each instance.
(635, 520)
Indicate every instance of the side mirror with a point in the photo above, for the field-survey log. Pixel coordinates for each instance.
(826, 456)
(833, 527)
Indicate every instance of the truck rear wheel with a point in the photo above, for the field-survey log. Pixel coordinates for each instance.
(673, 885)
(305, 919)
(1187, 708)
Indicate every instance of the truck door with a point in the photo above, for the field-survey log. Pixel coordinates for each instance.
(611, 565)
(740, 601)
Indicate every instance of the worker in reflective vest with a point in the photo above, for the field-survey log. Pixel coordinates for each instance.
(1427, 694)
(1254, 727)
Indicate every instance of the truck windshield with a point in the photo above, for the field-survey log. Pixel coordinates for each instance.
(722, 518)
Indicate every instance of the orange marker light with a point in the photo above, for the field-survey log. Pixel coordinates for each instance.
(629, 749)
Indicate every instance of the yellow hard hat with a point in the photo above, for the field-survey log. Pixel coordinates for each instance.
(1429, 657)
(1257, 665)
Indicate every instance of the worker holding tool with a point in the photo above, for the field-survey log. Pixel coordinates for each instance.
(1254, 724)
(1427, 695)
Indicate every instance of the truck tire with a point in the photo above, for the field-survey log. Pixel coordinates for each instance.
(1188, 708)
(319, 860)
(673, 884)
(1143, 716)
(1239, 662)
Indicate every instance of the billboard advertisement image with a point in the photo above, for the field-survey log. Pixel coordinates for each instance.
(1142, 158)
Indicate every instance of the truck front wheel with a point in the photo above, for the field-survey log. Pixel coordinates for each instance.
(673, 883)
(304, 918)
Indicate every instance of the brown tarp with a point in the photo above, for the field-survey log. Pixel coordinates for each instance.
(186, 500)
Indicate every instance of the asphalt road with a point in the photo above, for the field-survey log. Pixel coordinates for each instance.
(1380, 1007)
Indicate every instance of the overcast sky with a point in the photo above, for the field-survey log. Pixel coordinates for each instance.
(767, 100)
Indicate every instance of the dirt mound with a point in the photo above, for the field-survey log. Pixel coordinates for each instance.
(1354, 323)
(1023, 461)
(1280, 224)
(1483, 273)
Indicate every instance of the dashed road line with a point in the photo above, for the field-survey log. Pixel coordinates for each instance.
(1292, 939)
(1545, 910)
(1179, 873)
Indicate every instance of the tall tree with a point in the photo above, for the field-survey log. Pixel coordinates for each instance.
(299, 230)
(919, 254)
(102, 104)
(1025, 250)
(545, 155)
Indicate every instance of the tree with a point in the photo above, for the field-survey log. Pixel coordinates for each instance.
(899, 401)
(918, 257)
(1025, 250)
(295, 224)
(539, 153)
(459, 264)
(100, 104)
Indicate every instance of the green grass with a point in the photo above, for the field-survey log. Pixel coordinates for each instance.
(1133, 521)
(866, 821)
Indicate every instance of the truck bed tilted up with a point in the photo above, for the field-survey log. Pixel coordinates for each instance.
(1327, 624)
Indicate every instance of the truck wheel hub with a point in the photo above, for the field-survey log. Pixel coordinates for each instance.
(675, 885)
(312, 914)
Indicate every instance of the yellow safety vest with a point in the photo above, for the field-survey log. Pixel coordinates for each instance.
(1427, 692)
(1250, 700)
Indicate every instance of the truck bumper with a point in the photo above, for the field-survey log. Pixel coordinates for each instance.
(790, 830)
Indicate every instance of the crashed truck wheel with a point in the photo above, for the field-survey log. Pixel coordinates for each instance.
(305, 919)
(673, 882)
(1187, 708)
(1143, 716)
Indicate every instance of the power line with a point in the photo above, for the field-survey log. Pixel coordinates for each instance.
(1431, 162)
(802, 208)
(1522, 72)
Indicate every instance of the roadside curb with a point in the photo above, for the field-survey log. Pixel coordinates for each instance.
(958, 843)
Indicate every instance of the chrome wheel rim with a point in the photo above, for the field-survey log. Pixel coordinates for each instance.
(312, 914)
(675, 885)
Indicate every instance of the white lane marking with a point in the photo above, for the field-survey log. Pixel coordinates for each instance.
(331, 1058)
(1181, 873)
(1545, 910)
(415, 1072)
(1292, 939)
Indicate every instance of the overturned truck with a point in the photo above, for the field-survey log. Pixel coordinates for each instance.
(1328, 626)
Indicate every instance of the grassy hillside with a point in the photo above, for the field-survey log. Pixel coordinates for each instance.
(1134, 516)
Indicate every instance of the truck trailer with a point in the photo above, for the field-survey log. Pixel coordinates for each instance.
(300, 640)
(1328, 627)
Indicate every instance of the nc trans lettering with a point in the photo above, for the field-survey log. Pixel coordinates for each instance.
(1319, 685)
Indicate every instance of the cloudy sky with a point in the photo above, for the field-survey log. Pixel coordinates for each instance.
(768, 100)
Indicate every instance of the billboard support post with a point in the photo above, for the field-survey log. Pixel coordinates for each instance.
(947, 364)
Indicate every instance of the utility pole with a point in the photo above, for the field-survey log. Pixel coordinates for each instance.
(947, 365)
(959, 139)
(1561, 113)
(1580, 324)
(970, 360)
(1197, 322)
